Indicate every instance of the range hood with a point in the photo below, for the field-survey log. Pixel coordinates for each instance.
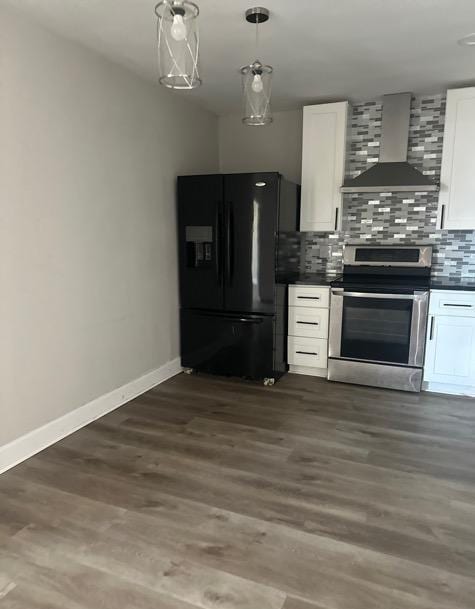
(392, 173)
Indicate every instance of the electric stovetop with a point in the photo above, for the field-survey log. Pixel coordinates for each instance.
(391, 284)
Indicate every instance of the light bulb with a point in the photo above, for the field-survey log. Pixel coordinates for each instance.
(257, 84)
(178, 28)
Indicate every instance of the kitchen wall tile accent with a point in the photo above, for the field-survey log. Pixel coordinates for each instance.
(391, 218)
(454, 254)
(289, 252)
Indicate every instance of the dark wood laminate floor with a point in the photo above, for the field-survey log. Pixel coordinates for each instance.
(212, 493)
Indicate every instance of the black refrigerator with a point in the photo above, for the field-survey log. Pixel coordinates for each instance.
(233, 310)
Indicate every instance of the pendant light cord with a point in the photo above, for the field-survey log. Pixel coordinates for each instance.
(257, 34)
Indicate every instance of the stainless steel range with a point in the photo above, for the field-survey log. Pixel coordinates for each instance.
(378, 316)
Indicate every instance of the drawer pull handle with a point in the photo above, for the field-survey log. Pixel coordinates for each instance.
(309, 323)
(306, 352)
(309, 297)
(453, 304)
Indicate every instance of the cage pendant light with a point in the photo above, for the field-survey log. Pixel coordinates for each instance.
(178, 44)
(257, 79)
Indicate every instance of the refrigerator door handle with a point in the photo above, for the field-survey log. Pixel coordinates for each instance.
(218, 244)
(229, 242)
(230, 317)
(249, 320)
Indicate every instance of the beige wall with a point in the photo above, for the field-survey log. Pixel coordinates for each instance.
(88, 269)
(275, 147)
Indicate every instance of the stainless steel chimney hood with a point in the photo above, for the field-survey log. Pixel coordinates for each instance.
(392, 173)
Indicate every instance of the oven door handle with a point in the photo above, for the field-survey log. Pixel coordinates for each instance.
(374, 295)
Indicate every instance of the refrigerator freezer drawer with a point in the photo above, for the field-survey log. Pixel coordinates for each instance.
(228, 344)
(310, 352)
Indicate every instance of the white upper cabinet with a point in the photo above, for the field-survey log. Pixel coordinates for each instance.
(323, 165)
(457, 180)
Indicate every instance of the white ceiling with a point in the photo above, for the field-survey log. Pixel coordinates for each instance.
(320, 49)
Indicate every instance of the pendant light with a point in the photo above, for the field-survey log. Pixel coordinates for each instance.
(178, 44)
(256, 79)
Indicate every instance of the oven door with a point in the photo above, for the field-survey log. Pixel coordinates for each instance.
(382, 328)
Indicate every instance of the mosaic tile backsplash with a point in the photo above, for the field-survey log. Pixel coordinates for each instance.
(389, 218)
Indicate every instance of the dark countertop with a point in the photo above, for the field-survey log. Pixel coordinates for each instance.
(447, 283)
(436, 283)
(307, 279)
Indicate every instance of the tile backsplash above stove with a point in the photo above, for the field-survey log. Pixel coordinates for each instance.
(389, 218)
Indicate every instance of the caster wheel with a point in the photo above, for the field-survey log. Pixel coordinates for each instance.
(188, 370)
(268, 382)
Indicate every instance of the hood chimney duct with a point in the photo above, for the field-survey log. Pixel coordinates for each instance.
(392, 173)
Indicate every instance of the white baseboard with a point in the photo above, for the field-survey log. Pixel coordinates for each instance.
(463, 390)
(307, 370)
(33, 442)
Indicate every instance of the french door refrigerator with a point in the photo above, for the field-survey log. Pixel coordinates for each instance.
(233, 310)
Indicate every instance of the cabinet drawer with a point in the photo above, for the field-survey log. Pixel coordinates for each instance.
(452, 303)
(308, 321)
(309, 296)
(311, 352)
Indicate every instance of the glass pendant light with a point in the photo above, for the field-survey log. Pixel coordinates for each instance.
(257, 79)
(178, 44)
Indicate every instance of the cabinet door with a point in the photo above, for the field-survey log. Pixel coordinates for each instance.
(450, 350)
(457, 181)
(323, 165)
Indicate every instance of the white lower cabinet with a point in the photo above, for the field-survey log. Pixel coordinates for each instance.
(307, 345)
(450, 346)
(306, 321)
